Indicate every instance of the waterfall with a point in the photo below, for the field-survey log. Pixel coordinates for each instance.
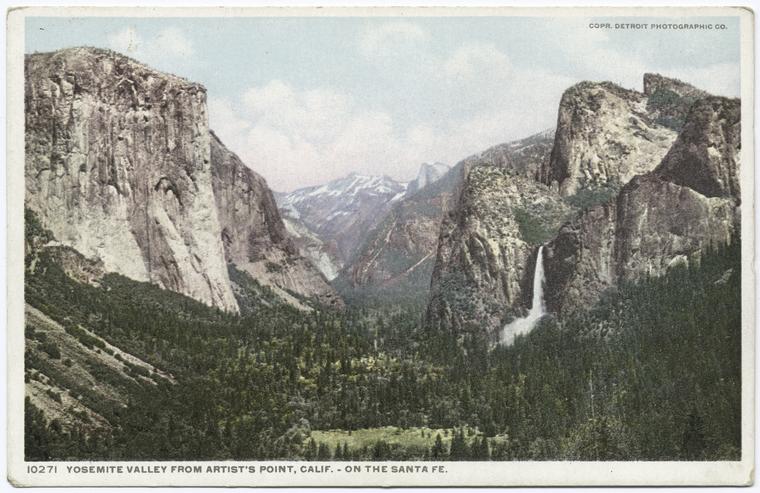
(525, 324)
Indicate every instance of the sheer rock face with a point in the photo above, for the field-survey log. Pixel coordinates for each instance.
(481, 257)
(658, 220)
(121, 166)
(253, 234)
(674, 194)
(486, 254)
(579, 263)
(705, 156)
(118, 167)
(605, 134)
(661, 223)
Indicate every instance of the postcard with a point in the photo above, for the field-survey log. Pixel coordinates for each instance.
(415, 246)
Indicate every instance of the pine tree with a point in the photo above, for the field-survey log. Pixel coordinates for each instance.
(381, 450)
(459, 449)
(323, 452)
(311, 450)
(481, 450)
(438, 451)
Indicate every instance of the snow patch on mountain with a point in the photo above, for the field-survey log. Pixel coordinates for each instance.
(333, 219)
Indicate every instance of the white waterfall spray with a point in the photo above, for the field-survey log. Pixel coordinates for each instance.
(524, 325)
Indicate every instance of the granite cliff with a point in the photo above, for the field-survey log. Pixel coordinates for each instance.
(254, 236)
(121, 167)
(118, 167)
(662, 218)
(488, 240)
(605, 136)
(631, 184)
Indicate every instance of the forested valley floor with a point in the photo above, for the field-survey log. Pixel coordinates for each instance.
(650, 373)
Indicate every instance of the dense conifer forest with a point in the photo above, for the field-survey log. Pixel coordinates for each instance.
(652, 372)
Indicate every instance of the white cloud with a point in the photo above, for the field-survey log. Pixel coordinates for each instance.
(126, 41)
(475, 60)
(169, 49)
(281, 133)
(593, 57)
(297, 138)
(391, 38)
(493, 100)
(304, 137)
(478, 98)
(225, 120)
(172, 42)
(722, 79)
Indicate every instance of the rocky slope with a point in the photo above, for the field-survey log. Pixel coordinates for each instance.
(254, 236)
(660, 219)
(488, 241)
(706, 155)
(605, 135)
(395, 262)
(312, 247)
(633, 183)
(121, 167)
(338, 214)
(428, 174)
(78, 378)
(118, 167)
(398, 259)
(669, 100)
(522, 157)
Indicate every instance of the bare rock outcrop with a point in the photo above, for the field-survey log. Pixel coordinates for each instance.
(579, 263)
(636, 183)
(488, 241)
(706, 154)
(254, 236)
(605, 134)
(658, 220)
(122, 167)
(118, 168)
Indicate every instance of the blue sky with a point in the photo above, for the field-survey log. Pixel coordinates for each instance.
(303, 100)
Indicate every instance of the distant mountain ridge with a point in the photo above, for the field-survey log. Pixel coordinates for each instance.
(332, 220)
(122, 168)
(395, 260)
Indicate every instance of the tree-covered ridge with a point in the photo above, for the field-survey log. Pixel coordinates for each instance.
(651, 373)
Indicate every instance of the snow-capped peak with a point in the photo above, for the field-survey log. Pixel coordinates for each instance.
(344, 191)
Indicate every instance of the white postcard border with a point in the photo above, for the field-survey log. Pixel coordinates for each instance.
(459, 473)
